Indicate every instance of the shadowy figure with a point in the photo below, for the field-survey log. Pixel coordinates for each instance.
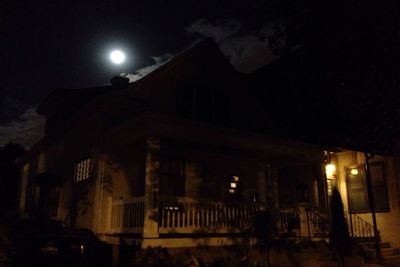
(264, 229)
(339, 235)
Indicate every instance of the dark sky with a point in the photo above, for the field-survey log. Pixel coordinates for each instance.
(64, 44)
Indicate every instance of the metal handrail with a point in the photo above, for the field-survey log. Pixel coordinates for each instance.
(358, 226)
(317, 220)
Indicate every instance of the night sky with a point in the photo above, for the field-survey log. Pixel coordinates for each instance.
(65, 44)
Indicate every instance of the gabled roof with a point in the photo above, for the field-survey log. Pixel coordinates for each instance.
(76, 98)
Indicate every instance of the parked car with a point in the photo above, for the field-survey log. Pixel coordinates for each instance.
(50, 243)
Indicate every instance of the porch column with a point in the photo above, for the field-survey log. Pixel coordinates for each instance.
(151, 193)
(262, 184)
(272, 196)
(319, 170)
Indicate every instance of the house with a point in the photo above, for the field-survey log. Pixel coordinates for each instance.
(177, 159)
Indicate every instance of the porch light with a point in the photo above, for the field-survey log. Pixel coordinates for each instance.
(233, 185)
(354, 171)
(330, 169)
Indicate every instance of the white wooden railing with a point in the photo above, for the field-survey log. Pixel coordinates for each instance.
(127, 216)
(187, 215)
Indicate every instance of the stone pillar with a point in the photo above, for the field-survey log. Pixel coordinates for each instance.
(151, 192)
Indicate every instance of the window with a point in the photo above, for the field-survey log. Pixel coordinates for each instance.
(234, 188)
(82, 170)
(172, 179)
(357, 188)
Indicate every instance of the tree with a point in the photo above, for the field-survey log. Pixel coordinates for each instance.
(340, 71)
(9, 177)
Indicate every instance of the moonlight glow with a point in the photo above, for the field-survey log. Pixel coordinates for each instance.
(117, 57)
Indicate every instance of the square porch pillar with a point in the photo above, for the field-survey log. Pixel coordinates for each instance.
(151, 192)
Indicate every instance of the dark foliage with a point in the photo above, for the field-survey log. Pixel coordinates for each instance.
(9, 177)
(337, 76)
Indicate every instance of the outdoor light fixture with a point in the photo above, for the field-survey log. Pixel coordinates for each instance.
(330, 169)
(354, 171)
(233, 185)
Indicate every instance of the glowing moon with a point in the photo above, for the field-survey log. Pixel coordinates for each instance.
(117, 57)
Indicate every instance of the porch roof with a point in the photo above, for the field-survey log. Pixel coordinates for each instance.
(220, 138)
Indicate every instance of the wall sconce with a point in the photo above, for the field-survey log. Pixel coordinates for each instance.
(330, 170)
(354, 171)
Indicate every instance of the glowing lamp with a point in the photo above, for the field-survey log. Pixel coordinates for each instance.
(354, 171)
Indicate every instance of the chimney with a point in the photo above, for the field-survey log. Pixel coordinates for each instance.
(119, 82)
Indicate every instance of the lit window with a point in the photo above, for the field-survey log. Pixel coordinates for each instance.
(82, 170)
(233, 185)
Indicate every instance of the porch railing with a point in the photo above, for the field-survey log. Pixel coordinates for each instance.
(127, 216)
(289, 220)
(303, 221)
(187, 215)
(358, 227)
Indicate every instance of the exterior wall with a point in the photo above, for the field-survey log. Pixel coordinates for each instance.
(207, 173)
(386, 221)
(296, 184)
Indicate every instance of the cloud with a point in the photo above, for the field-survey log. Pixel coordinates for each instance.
(246, 52)
(158, 62)
(26, 130)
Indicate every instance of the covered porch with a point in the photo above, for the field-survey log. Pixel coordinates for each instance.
(202, 180)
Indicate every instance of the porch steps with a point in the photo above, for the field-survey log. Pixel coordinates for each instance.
(391, 256)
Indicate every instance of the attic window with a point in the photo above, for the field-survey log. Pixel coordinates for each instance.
(82, 170)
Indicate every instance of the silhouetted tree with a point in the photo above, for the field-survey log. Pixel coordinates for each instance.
(9, 176)
(338, 72)
(339, 235)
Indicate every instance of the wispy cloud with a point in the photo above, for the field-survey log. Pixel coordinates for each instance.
(26, 130)
(245, 51)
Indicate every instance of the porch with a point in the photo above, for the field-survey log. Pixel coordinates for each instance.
(184, 216)
(188, 216)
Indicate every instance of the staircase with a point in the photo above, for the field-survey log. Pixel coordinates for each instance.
(363, 233)
(391, 256)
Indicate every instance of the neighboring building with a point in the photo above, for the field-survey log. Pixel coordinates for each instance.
(178, 159)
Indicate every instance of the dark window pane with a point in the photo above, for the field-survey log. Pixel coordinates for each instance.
(379, 186)
(172, 179)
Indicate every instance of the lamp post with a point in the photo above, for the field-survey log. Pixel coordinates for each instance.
(371, 203)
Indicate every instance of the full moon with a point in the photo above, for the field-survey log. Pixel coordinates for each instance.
(117, 57)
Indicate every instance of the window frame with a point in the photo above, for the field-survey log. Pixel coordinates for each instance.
(88, 171)
(386, 208)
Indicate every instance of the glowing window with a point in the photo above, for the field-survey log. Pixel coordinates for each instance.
(82, 170)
